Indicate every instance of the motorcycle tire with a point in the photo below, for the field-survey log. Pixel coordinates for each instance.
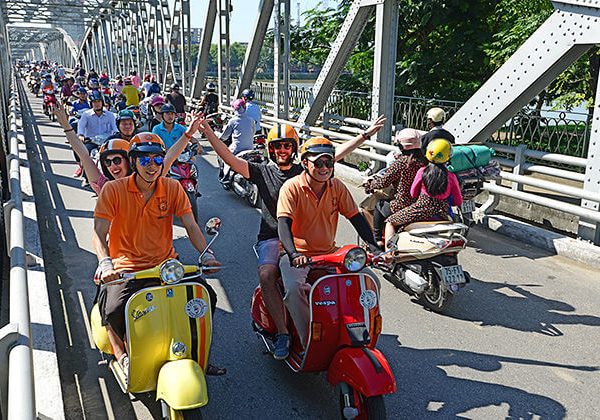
(435, 297)
(373, 407)
(253, 198)
(194, 202)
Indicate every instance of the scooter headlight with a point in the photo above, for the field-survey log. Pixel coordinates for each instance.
(171, 271)
(355, 259)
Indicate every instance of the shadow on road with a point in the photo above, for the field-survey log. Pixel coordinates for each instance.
(427, 390)
(516, 307)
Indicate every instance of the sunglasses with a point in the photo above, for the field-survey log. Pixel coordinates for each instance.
(116, 160)
(323, 162)
(286, 146)
(145, 160)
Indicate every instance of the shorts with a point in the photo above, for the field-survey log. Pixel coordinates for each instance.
(268, 252)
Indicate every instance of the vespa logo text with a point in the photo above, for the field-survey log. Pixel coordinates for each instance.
(135, 314)
(325, 303)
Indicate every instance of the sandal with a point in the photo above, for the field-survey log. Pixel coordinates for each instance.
(212, 370)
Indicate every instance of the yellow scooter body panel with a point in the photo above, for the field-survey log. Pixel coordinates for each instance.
(99, 333)
(157, 317)
(181, 384)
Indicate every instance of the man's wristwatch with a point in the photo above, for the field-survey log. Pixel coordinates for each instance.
(365, 135)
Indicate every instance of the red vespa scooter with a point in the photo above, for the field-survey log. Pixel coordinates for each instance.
(344, 326)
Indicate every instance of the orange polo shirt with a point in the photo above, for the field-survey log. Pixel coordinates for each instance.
(314, 221)
(141, 234)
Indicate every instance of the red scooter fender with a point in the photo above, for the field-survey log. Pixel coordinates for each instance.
(364, 369)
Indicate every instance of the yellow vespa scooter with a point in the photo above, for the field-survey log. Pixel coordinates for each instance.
(168, 330)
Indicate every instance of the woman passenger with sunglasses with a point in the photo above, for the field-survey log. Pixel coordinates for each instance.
(113, 154)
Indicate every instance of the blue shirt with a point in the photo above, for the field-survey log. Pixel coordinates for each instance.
(253, 111)
(78, 106)
(169, 138)
(91, 125)
(241, 130)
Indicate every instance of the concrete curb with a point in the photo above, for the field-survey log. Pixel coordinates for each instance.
(48, 390)
(556, 243)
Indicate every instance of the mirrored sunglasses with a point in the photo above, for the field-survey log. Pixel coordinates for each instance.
(145, 160)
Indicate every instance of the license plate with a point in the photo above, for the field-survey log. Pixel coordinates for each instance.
(453, 274)
(468, 206)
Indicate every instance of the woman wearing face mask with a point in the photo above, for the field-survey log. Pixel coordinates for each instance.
(113, 154)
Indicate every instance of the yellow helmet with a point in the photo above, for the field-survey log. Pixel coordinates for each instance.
(282, 132)
(438, 151)
(99, 333)
(317, 146)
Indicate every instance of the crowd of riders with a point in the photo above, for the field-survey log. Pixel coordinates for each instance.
(301, 200)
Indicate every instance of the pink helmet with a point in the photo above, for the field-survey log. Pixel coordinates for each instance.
(157, 100)
(239, 105)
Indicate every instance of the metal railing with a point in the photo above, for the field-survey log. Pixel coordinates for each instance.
(16, 366)
(548, 131)
(525, 159)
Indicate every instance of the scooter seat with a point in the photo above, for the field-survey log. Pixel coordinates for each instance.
(420, 228)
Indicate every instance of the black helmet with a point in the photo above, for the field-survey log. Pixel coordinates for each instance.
(95, 96)
(167, 108)
(248, 94)
(211, 87)
(175, 86)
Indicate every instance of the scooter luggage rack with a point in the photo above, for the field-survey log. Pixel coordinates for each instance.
(436, 228)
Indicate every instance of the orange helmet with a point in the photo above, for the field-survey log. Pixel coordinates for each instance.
(282, 132)
(146, 142)
(317, 146)
(110, 147)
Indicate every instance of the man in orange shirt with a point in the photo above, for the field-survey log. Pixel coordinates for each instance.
(136, 212)
(307, 215)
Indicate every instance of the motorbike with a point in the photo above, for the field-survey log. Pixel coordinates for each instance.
(184, 170)
(168, 336)
(345, 324)
(93, 145)
(34, 85)
(74, 119)
(425, 262)
(49, 103)
(217, 121)
(231, 180)
(138, 115)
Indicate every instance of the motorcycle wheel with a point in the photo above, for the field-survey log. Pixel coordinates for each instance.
(435, 298)
(371, 408)
(253, 198)
(194, 202)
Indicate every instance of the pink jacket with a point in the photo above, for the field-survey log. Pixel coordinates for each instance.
(453, 189)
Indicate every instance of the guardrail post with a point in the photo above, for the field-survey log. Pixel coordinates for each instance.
(520, 159)
(325, 123)
(9, 335)
(588, 230)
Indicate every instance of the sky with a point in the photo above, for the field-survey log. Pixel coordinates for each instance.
(244, 15)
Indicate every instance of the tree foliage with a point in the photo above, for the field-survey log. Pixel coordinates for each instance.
(446, 48)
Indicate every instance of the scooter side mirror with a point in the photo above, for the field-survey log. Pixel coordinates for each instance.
(213, 226)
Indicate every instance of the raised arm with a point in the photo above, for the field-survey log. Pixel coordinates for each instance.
(237, 164)
(90, 168)
(346, 148)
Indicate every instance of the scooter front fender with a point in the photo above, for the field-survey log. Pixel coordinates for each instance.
(181, 384)
(364, 369)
